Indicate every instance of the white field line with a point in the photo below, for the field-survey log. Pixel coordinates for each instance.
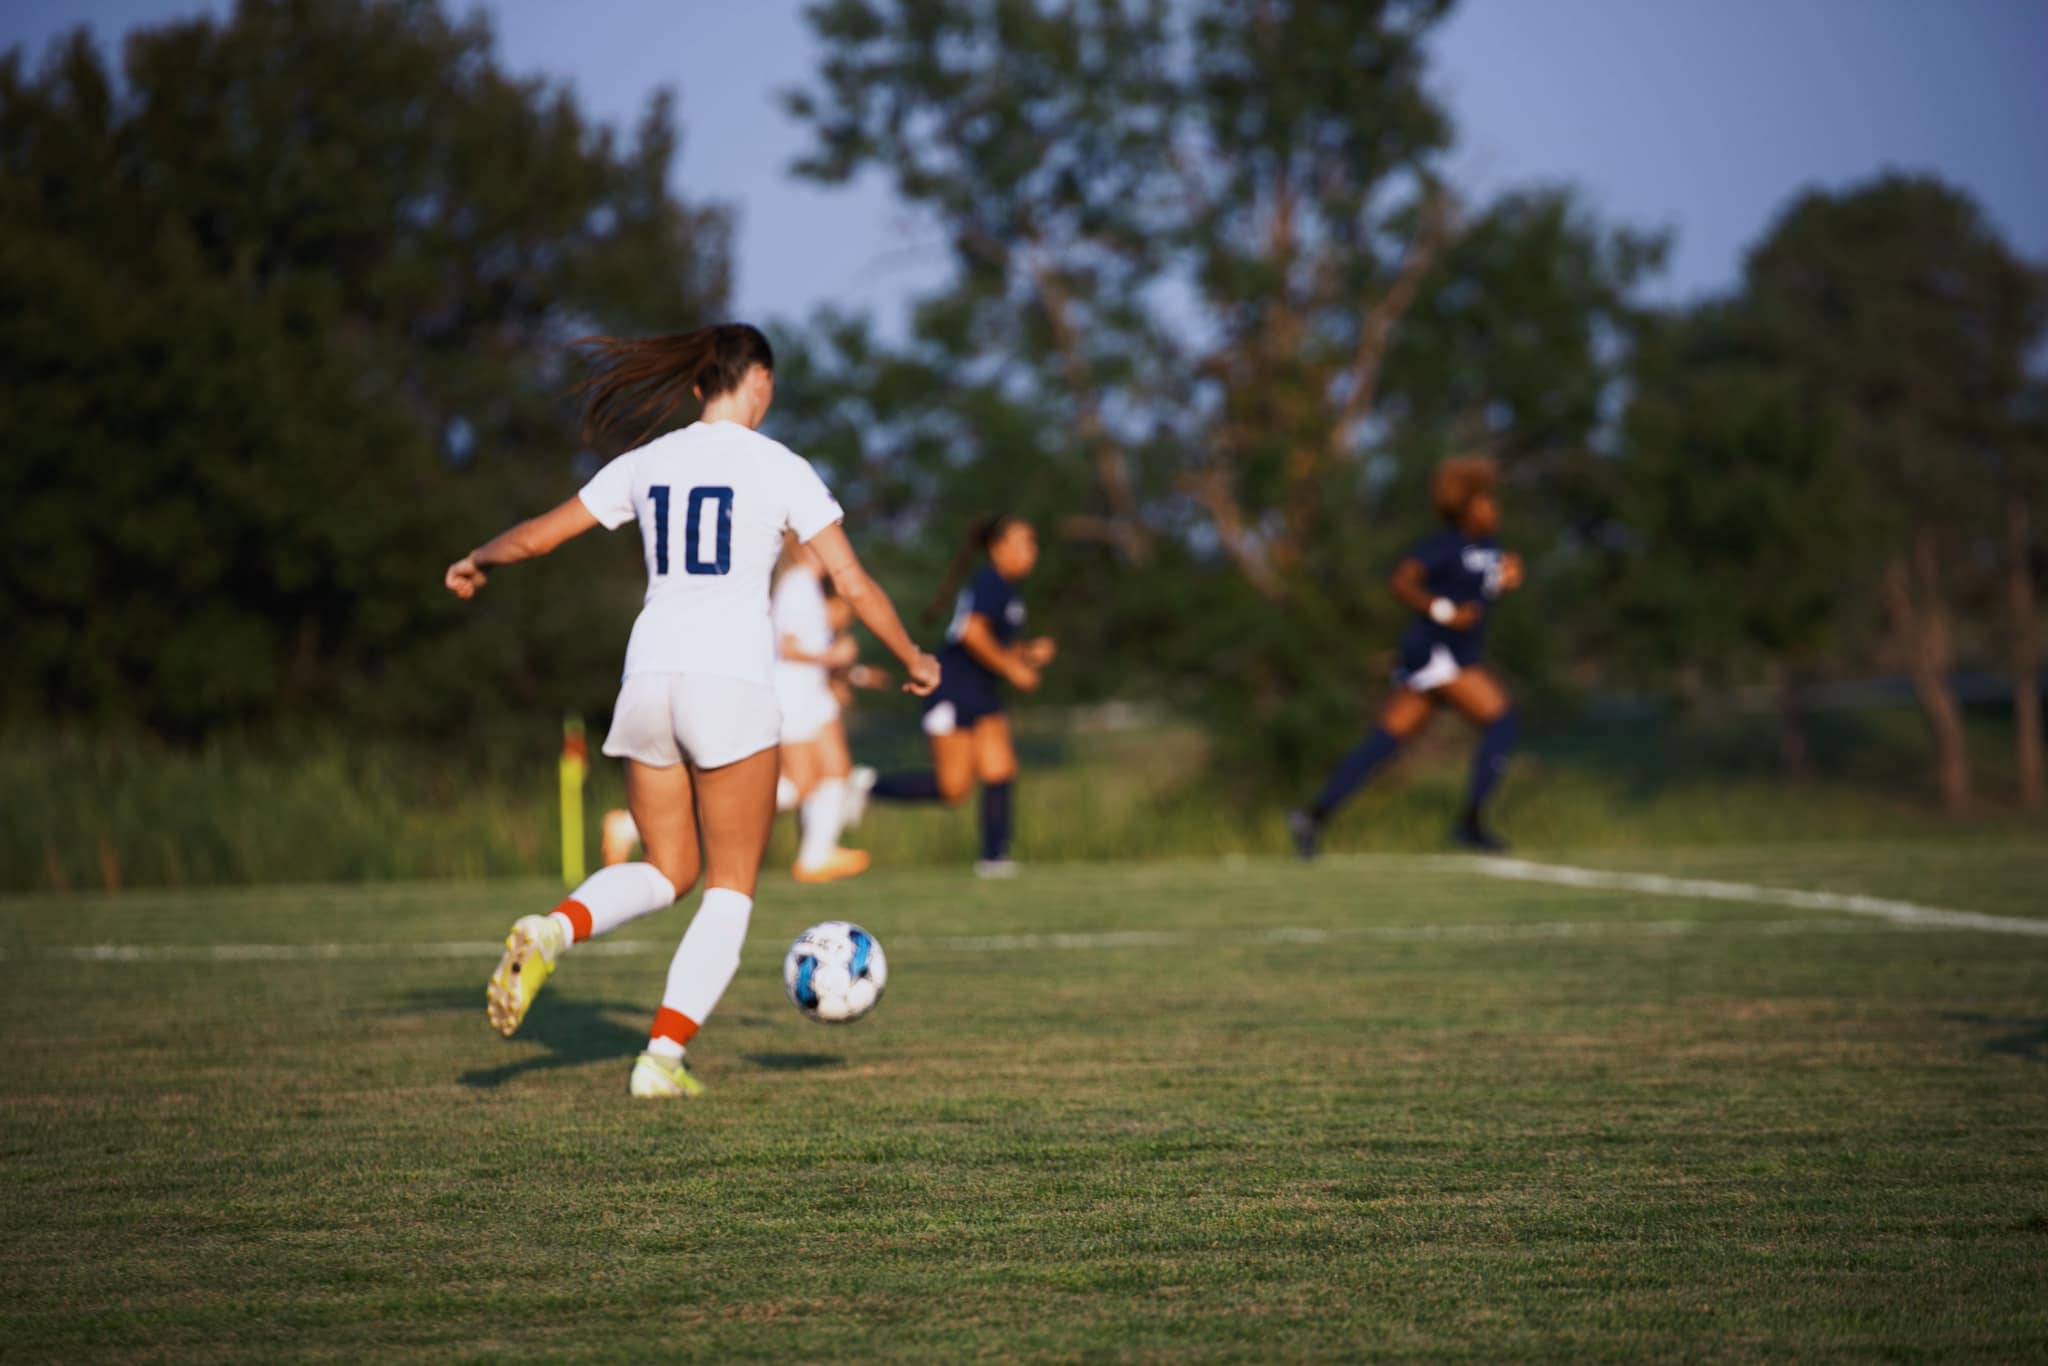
(1899, 914)
(1701, 889)
(484, 951)
(306, 953)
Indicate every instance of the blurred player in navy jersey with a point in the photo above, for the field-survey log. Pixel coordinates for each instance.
(1451, 581)
(969, 730)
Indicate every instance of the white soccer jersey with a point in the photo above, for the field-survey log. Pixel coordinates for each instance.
(712, 501)
(798, 609)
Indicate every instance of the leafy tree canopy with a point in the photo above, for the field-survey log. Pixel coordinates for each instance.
(1215, 311)
(281, 301)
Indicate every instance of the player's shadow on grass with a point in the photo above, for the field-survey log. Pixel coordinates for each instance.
(573, 1032)
(793, 1062)
(576, 1032)
(2025, 1038)
(441, 1002)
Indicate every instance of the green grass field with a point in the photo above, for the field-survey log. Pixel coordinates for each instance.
(1242, 1110)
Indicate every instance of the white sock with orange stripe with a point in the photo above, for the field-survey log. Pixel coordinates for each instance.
(610, 897)
(701, 970)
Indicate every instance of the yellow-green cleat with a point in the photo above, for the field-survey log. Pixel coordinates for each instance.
(654, 1079)
(530, 952)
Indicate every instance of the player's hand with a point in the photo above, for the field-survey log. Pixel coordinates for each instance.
(924, 675)
(842, 652)
(1510, 572)
(1040, 652)
(464, 578)
(1024, 678)
(1466, 616)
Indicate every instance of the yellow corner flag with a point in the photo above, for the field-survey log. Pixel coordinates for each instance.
(575, 759)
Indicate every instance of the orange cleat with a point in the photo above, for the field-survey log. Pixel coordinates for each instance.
(844, 863)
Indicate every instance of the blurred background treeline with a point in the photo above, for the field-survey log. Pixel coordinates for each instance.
(285, 300)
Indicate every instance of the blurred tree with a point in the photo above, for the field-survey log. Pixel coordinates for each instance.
(2025, 484)
(1214, 312)
(1896, 307)
(280, 313)
(1741, 515)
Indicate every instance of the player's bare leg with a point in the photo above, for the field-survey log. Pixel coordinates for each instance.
(735, 812)
(953, 765)
(995, 768)
(612, 896)
(836, 759)
(664, 806)
(1479, 696)
(1406, 713)
(821, 802)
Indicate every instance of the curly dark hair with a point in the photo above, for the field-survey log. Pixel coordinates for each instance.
(1459, 480)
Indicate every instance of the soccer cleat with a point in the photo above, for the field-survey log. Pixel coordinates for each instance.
(1476, 837)
(530, 953)
(654, 1079)
(844, 863)
(997, 868)
(1307, 833)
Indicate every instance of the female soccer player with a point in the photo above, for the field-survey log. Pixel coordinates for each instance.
(969, 731)
(696, 720)
(814, 753)
(1451, 581)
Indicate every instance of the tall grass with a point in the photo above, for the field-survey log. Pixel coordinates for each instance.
(110, 813)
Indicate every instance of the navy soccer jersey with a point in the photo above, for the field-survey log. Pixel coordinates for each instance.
(1463, 569)
(971, 686)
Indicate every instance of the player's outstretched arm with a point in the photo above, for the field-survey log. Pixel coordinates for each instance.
(842, 652)
(871, 604)
(532, 538)
(1013, 662)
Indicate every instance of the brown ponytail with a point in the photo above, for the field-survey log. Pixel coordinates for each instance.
(642, 381)
(984, 533)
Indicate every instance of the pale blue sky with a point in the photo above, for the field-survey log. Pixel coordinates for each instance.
(1702, 117)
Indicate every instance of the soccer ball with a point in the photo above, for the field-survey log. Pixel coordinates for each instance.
(835, 972)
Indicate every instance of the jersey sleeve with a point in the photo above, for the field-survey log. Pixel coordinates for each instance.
(1435, 553)
(609, 494)
(812, 507)
(989, 594)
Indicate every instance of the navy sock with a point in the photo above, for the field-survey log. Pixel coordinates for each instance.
(1352, 771)
(1496, 743)
(915, 785)
(995, 821)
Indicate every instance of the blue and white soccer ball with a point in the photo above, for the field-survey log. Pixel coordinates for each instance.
(835, 972)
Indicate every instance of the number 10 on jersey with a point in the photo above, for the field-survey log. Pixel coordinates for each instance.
(695, 561)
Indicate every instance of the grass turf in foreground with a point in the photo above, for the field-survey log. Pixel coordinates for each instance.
(1104, 1112)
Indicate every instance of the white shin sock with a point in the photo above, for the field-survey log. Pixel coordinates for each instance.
(702, 969)
(823, 813)
(610, 897)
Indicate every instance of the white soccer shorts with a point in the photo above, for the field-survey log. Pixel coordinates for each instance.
(708, 719)
(1439, 669)
(807, 708)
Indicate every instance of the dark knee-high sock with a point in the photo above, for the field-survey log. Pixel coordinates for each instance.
(995, 821)
(1352, 770)
(1496, 744)
(914, 785)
